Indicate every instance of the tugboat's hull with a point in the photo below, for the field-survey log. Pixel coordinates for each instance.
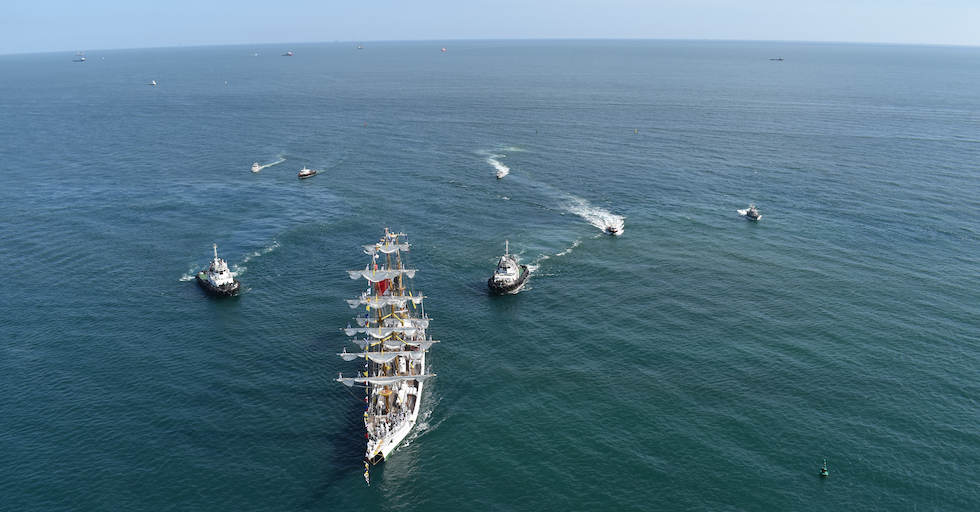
(227, 290)
(501, 289)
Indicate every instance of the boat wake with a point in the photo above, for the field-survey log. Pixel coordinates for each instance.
(598, 217)
(281, 160)
(256, 254)
(422, 423)
(190, 275)
(492, 158)
(502, 170)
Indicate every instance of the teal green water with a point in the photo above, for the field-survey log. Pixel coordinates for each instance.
(698, 361)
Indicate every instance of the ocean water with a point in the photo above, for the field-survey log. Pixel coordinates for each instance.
(698, 361)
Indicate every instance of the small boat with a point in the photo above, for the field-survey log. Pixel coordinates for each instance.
(287, 54)
(393, 343)
(82, 59)
(153, 82)
(777, 59)
(510, 276)
(217, 279)
(823, 469)
(443, 49)
(612, 230)
(359, 47)
(306, 173)
(256, 167)
(751, 213)
(502, 172)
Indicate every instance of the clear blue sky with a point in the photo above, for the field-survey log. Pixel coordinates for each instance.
(47, 25)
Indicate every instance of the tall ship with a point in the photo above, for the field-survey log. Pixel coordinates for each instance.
(391, 337)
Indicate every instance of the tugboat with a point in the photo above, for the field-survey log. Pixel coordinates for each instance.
(217, 279)
(306, 173)
(751, 213)
(510, 276)
(823, 469)
(256, 167)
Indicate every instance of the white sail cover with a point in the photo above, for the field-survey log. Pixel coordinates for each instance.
(383, 357)
(381, 332)
(421, 323)
(376, 276)
(394, 344)
(374, 301)
(387, 249)
(382, 381)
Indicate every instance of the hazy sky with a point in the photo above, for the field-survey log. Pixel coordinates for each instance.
(46, 25)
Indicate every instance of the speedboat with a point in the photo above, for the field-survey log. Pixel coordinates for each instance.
(306, 173)
(256, 167)
(510, 276)
(612, 230)
(217, 279)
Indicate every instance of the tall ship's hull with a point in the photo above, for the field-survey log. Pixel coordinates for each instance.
(391, 335)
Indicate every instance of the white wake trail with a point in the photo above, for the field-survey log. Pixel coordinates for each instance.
(598, 217)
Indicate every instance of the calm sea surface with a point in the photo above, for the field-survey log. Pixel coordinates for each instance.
(699, 361)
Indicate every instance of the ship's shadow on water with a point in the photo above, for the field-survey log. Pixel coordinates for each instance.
(344, 462)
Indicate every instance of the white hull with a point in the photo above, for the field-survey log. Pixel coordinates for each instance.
(388, 444)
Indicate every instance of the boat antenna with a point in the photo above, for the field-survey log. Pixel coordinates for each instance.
(506, 246)
(215, 252)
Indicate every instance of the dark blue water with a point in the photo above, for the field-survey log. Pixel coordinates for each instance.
(698, 361)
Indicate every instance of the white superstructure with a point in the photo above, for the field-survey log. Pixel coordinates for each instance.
(218, 273)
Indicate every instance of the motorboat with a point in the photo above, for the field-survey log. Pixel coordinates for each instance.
(256, 167)
(306, 173)
(509, 276)
(287, 54)
(612, 230)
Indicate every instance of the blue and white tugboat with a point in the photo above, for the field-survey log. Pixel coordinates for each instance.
(393, 345)
(510, 276)
(217, 279)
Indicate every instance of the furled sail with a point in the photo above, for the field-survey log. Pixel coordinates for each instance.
(374, 301)
(383, 357)
(381, 332)
(376, 276)
(386, 248)
(421, 323)
(382, 380)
